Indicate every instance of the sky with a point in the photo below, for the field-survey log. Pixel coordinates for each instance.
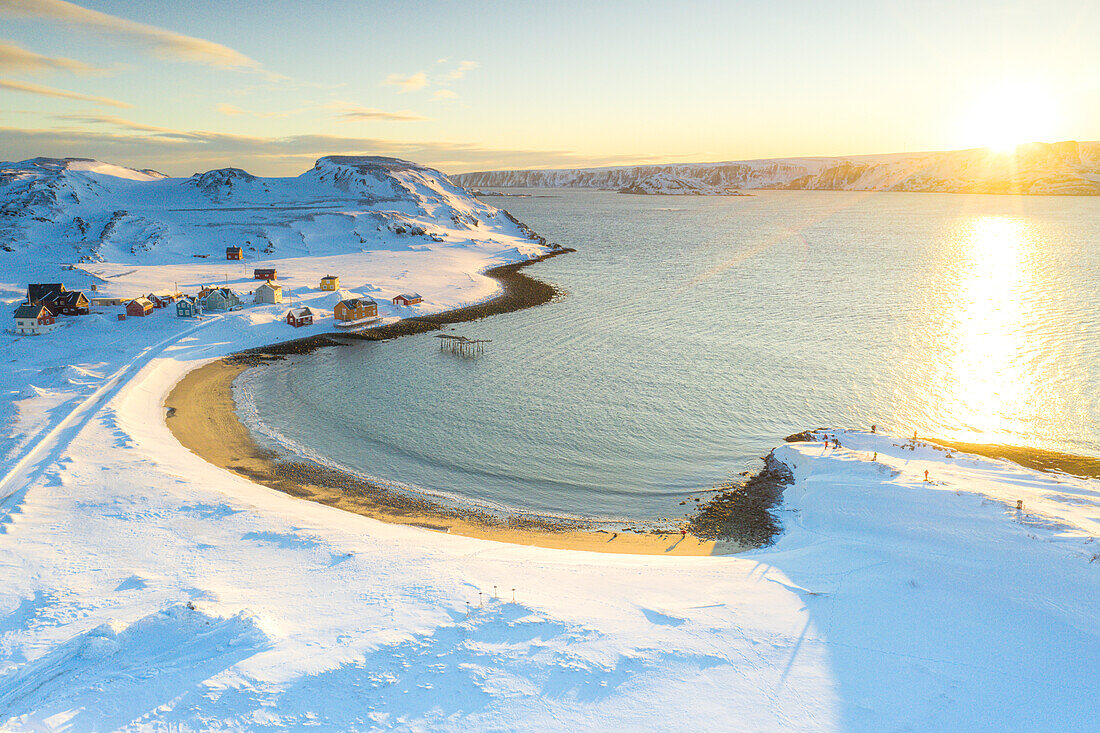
(270, 86)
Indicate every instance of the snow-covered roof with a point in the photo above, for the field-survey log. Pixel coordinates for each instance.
(29, 311)
(356, 302)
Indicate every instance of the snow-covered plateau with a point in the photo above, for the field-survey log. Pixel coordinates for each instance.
(146, 589)
(1065, 168)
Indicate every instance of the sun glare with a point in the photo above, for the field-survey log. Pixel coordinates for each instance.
(1007, 115)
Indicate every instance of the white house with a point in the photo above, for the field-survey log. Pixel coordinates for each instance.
(269, 292)
(33, 319)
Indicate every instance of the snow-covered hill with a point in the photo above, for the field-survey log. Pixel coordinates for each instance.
(1067, 168)
(95, 211)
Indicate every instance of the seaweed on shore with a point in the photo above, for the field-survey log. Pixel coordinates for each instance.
(742, 509)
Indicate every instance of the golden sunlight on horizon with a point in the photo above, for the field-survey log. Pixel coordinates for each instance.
(1008, 115)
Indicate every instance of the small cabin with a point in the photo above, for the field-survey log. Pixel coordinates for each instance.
(139, 307)
(407, 299)
(299, 317)
(38, 293)
(164, 298)
(264, 273)
(188, 308)
(34, 319)
(354, 309)
(71, 303)
(219, 299)
(330, 282)
(269, 292)
(234, 253)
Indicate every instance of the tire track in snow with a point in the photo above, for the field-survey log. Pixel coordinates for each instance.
(45, 451)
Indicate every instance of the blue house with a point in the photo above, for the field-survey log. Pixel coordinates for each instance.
(188, 308)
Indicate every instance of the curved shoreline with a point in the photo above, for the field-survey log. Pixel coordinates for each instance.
(202, 417)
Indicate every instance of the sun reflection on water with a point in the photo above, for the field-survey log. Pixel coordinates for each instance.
(987, 381)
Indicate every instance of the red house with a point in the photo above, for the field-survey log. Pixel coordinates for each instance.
(264, 273)
(234, 253)
(407, 299)
(139, 307)
(299, 317)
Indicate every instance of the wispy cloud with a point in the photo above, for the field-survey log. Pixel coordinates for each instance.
(17, 59)
(147, 146)
(420, 79)
(460, 71)
(19, 86)
(158, 41)
(125, 124)
(350, 112)
(410, 83)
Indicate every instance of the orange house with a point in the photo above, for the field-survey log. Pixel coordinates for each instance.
(354, 309)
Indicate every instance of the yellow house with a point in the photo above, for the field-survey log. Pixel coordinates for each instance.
(330, 282)
(354, 309)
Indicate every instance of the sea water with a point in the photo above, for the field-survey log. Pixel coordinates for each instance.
(694, 333)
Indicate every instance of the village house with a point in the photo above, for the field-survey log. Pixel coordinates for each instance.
(39, 293)
(299, 317)
(269, 292)
(264, 273)
(111, 301)
(70, 303)
(354, 309)
(330, 282)
(218, 299)
(34, 319)
(164, 298)
(407, 299)
(234, 253)
(188, 308)
(139, 307)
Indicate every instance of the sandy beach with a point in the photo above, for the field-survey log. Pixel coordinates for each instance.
(201, 415)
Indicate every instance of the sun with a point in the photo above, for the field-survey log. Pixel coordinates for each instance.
(1002, 117)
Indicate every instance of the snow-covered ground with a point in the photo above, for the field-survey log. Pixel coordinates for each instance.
(143, 588)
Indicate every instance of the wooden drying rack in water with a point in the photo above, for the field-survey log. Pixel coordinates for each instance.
(462, 345)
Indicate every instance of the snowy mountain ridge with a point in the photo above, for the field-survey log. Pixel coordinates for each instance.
(98, 211)
(1064, 168)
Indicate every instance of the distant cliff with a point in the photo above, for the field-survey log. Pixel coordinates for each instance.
(1065, 168)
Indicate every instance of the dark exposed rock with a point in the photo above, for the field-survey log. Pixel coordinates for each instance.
(742, 510)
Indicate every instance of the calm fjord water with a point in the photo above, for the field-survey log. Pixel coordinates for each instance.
(698, 331)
